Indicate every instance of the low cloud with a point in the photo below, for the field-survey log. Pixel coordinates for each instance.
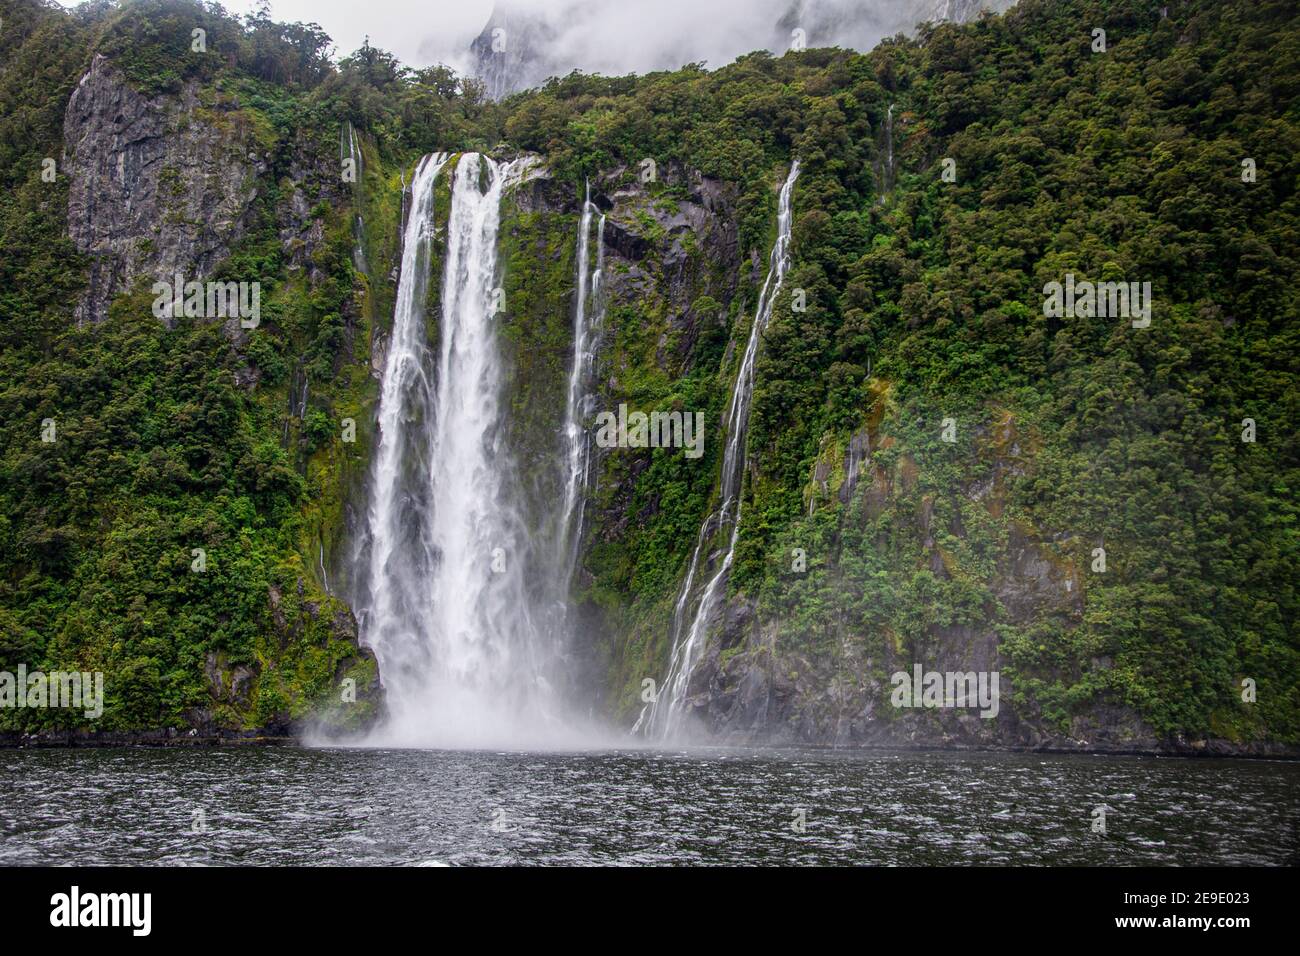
(615, 37)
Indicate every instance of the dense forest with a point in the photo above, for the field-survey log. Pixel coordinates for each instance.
(947, 178)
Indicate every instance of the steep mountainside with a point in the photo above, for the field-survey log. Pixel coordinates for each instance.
(940, 472)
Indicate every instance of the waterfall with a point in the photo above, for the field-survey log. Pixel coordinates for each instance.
(889, 141)
(660, 716)
(887, 169)
(395, 604)
(358, 245)
(577, 439)
(349, 148)
(324, 575)
(446, 610)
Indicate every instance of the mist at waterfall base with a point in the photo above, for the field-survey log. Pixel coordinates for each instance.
(461, 588)
(461, 593)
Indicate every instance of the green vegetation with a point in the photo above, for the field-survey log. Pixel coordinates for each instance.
(923, 303)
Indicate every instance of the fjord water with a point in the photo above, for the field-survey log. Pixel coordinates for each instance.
(660, 717)
(288, 806)
(447, 605)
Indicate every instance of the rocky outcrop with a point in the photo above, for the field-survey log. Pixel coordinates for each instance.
(654, 244)
(312, 177)
(654, 247)
(655, 266)
(516, 49)
(762, 680)
(156, 185)
(250, 694)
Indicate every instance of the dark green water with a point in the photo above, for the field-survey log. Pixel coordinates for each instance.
(287, 806)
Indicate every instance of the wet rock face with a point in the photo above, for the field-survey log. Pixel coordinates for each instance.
(670, 250)
(156, 185)
(661, 256)
(541, 192)
(228, 685)
(233, 688)
(763, 681)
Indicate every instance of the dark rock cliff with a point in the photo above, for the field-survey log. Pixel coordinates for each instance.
(157, 185)
(165, 184)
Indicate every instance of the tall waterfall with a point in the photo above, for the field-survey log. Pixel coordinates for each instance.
(446, 608)
(395, 602)
(660, 717)
(577, 437)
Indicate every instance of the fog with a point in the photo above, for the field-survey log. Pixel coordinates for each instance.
(607, 36)
(637, 36)
(528, 40)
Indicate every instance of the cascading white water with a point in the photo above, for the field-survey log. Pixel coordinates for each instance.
(577, 438)
(447, 611)
(350, 149)
(358, 245)
(659, 718)
(394, 599)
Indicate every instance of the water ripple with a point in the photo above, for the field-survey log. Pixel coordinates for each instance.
(436, 808)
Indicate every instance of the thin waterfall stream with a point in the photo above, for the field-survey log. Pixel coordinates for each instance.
(661, 717)
(577, 436)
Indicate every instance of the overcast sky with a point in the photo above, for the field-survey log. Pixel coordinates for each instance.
(603, 36)
(420, 32)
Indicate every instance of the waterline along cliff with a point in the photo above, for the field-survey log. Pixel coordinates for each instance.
(941, 393)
